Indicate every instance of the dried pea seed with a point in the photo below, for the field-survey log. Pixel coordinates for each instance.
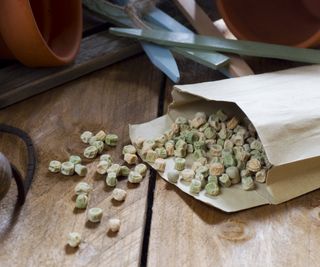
(173, 176)
(82, 201)
(119, 194)
(195, 186)
(254, 165)
(139, 142)
(114, 225)
(90, 152)
(100, 136)
(179, 164)
(82, 188)
(216, 168)
(151, 156)
(81, 170)
(213, 179)
(202, 160)
(180, 152)
(261, 176)
(160, 164)
(106, 157)
(247, 183)
(161, 152)
(74, 239)
(204, 170)
(92, 140)
(54, 166)
(256, 145)
(95, 215)
(67, 168)
(225, 180)
(187, 175)
(99, 145)
(141, 169)
(221, 115)
(75, 159)
(198, 153)
(130, 158)
(124, 171)
(111, 179)
(134, 177)
(229, 160)
(234, 175)
(103, 166)
(115, 168)
(190, 148)
(215, 150)
(232, 123)
(129, 149)
(196, 165)
(111, 139)
(85, 136)
(212, 189)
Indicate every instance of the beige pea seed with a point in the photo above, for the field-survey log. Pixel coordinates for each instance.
(101, 135)
(90, 152)
(95, 215)
(187, 175)
(114, 225)
(119, 194)
(103, 166)
(216, 168)
(129, 149)
(169, 146)
(233, 123)
(253, 165)
(151, 156)
(85, 136)
(138, 143)
(261, 176)
(54, 166)
(74, 239)
(67, 168)
(130, 158)
(160, 164)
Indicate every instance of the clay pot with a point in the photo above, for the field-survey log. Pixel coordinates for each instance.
(288, 22)
(5, 175)
(40, 32)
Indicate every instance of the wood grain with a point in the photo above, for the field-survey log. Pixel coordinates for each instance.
(186, 232)
(35, 235)
(96, 51)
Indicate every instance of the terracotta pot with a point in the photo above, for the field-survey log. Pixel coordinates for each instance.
(40, 32)
(288, 22)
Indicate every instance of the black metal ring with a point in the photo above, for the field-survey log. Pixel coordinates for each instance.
(22, 184)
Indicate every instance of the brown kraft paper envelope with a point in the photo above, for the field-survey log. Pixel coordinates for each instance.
(284, 107)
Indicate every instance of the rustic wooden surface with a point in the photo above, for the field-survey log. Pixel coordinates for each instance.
(186, 232)
(35, 235)
(98, 49)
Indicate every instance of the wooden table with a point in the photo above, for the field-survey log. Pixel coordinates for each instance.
(161, 226)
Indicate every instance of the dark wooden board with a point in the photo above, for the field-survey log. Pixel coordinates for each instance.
(97, 51)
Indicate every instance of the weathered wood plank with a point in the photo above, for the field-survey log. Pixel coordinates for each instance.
(186, 232)
(97, 51)
(108, 99)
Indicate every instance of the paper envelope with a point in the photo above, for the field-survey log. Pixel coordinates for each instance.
(284, 107)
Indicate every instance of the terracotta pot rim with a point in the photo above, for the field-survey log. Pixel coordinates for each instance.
(313, 40)
(30, 35)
